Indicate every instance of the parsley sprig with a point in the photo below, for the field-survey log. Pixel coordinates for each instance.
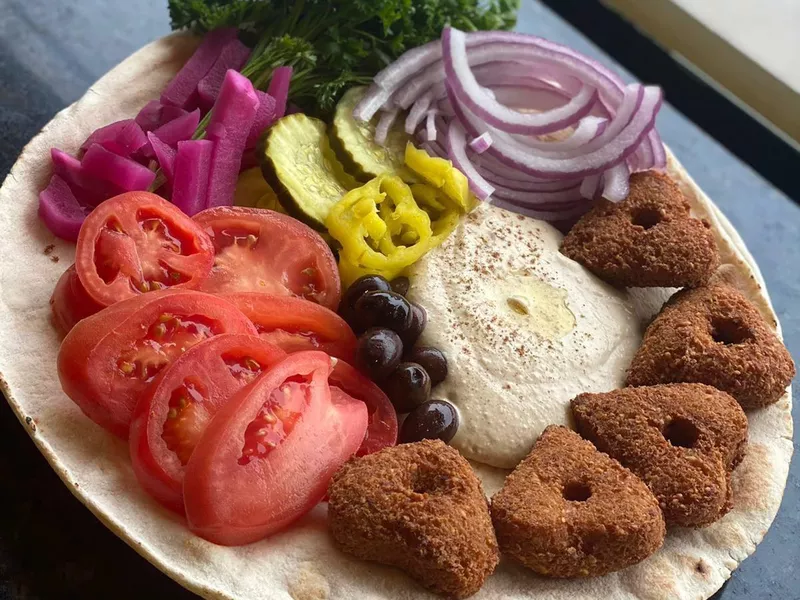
(335, 44)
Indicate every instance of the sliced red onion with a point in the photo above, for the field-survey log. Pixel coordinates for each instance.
(384, 125)
(535, 198)
(615, 183)
(504, 91)
(417, 112)
(612, 146)
(457, 143)
(410, 62)
(544, 215)
(481, 144)
(371, 103)
(591, 186)
(659, 152)
(430, 126)
(466, 87)
(529, 95)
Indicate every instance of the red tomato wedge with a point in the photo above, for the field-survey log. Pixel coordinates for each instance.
(382, 427)
(295, 324)
(175, 409)
(259, 250)
(108, 359)
(70, 303)
(268, 455)
(138, 242)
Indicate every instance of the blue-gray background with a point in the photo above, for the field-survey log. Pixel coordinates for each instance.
(51, 51)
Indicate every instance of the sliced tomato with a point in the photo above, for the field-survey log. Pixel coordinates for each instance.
(108, 359)
(70, 303)
(138, 242)
(295, 324)
(175, 409)
(382, 428)
(267, 456)
(259, 250)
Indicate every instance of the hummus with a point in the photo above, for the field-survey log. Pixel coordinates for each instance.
(524, 329)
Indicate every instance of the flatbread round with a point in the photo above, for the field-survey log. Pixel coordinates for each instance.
(302, 563)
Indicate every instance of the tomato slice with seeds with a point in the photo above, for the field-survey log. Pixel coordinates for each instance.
(268, 454)
(295, 324)
(382, 428)
(70, 303)
(175, 409)
(138, 242)
(108, 359)
(259, 250)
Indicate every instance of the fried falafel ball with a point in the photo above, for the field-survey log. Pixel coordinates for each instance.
(419, 507)
(714, 335)
(682, 439)
(568, 510)
(647, 240)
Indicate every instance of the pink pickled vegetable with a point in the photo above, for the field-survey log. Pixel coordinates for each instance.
(123, 138)
(175, 131)
(182, 90)
(265, 116)
(229, 127)
(154, 115)
(179, 129)
(123, 172)
(88, 189)
(60, 210)
(165, 155)
(279, 89)
(233, 56)
(190, 181)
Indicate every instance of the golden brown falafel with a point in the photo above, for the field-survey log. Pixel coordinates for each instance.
(419, 507)
(568, 510)
(714, 335)
(647, 240)
(682, 439)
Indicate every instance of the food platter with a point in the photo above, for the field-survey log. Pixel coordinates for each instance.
(302, 562)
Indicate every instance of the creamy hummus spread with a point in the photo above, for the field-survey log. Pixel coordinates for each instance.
(524, 329)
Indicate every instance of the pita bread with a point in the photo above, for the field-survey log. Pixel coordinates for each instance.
(301, 563)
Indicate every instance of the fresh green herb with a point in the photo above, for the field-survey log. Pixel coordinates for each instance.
(335, 44)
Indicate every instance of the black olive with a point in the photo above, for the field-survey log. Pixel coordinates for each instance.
(400, 285)
(435, 419)
(378, 352)
(408, 386)
(362, 285)
(432, 360)
(383, 309)
(419, 318)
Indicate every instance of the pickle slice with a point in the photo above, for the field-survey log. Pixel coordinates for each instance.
(299, 164)
(354, 143)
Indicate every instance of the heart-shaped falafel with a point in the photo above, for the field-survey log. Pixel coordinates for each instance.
(419, 507)
(683, 440)
(568, 510)
(647, 240)
(714, 335)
